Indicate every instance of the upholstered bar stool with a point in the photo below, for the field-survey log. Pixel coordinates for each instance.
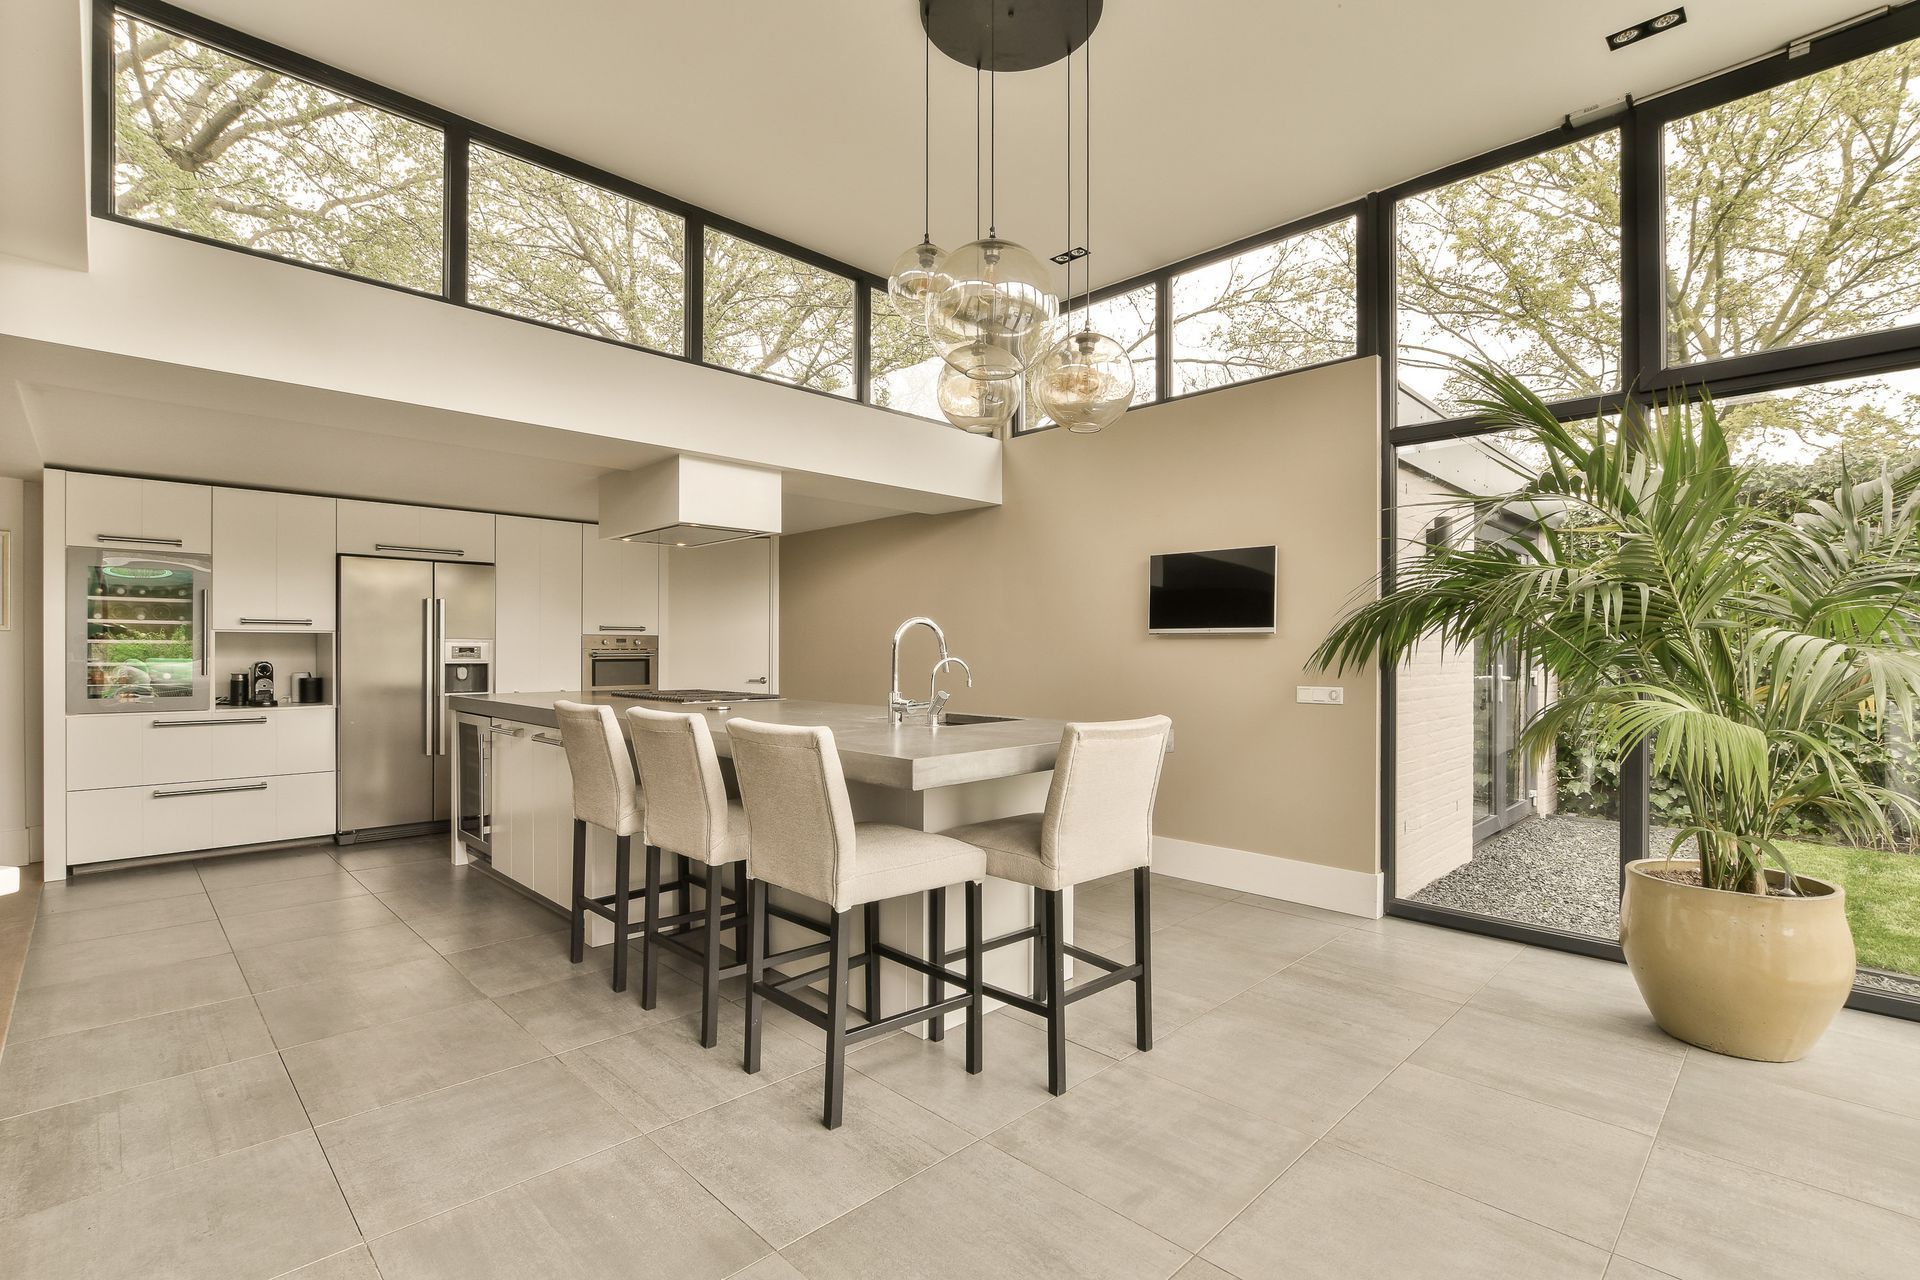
(804, 840)
(1098, 820)
(688, 814)
(605, 794)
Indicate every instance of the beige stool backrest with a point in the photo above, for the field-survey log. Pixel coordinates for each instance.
(604, 792)
(798, 814)
(1099, 816)
(680, 775)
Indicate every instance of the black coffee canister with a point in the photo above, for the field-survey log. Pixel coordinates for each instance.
(311, 688)
(239, 689)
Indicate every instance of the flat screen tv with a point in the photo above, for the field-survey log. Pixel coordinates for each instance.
(1217, 592)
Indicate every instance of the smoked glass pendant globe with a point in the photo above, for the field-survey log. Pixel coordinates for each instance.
(981, 406)
(987, 319)
(1084, 382)
(919, 275)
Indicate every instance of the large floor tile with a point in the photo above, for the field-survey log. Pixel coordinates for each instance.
(935, 1074)
(350, 1264)
(660, 1074)
(83, 890)
(257, 1212)
(1106, 1023)
(1449, 966)
(69, 962)
(624, 1212)
(578, 1011)
(1109, 903)
(534, 960)
(770, 1160)
(1607, 1077)
(1840, 1146)
(127, 917)
(235, 870)
(64, 1007)
(355, 1072)
(1578, 992)
(310, 920)
(1698, 1217)
(1864, 1057)
(367, 998)
(1345, 920)
(1564, 1171)
(771, 1267)
(1192, 959)
(64, 1153)
(1175, 1161)
(406, 877)
(983, 1213)
(464, 928)
(275, 895)
(390, 853)
(46, 1073)
(413, 1159)
(1619, 1268)
(288, 964)
(1336, 1216)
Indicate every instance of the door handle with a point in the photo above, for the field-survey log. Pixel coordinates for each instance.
(203, 631)
(143, 542)
(275, 622)
(419, 551)
(426, 675)
(439, 675)
(549, 739)
(605, 628)
(196, 724)
(208, 791)
(756, 679)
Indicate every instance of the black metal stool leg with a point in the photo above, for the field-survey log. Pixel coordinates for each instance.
(1039, 944)
(1143, 956)
(937, 953)
(740, 912)
(871, 924)
(976, 983)
(756, 970)
(577, 942)
(622, 880)
(710, 963)
(650, 962)
(837, 979)
(1056, 995)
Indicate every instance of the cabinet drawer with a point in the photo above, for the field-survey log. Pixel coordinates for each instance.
(125, 751)
(136, 822)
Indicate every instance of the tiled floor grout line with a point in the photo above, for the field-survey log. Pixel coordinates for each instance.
(1652, 1143)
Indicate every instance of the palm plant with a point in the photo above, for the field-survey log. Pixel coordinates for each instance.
(1755, 656)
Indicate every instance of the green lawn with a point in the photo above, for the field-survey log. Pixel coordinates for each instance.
(1883, 899)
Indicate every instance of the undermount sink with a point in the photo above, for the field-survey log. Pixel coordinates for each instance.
(967, 717)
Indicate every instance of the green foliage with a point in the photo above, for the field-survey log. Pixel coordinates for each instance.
(1760, 657)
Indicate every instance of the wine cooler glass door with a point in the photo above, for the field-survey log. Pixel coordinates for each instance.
(137, 632)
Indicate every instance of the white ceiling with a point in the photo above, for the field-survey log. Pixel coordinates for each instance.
(1215, 118)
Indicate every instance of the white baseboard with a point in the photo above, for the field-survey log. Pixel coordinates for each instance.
(1357, 893)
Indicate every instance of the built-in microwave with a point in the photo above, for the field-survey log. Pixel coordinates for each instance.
(619, 662)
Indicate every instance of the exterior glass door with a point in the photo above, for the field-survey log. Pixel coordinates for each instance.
(1503, 699)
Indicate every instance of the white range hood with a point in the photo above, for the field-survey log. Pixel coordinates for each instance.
(687, 502)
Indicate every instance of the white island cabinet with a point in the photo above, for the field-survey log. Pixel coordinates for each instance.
(273, 556)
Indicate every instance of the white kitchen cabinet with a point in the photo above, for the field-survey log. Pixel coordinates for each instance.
(131, 515)
(532, 805)
(145, 821)
(721, 635)
(422, 533)
(273, 559)
(123, 751)
(620, 585)
(537, 605)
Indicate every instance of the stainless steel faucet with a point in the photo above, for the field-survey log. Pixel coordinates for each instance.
(936, 696)
(899, 706)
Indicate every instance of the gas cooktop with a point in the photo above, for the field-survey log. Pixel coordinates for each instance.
(696, 695)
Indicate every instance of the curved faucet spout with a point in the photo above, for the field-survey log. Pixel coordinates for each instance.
(898, 704)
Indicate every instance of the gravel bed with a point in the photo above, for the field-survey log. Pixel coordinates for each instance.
(1563, 872)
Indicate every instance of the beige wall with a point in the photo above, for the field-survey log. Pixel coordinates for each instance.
(20, 677)
(1046, 597)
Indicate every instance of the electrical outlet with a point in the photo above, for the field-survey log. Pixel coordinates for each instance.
(1320, 694)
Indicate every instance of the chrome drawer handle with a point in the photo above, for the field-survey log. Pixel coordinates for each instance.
(424, 551)
(623, 628)
(549, 739)
(276, 622)
(209, 791)
(203, 724)
(127, 537)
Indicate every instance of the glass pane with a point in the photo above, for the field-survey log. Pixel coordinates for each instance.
(1130, 319)
(1797, 440)
(551, 247)
(141, 640)
(1276, 307)
(1790, 215)
(1480, 827)
(209, 143)
(1518, 267)
(902, 364)
(766, 314)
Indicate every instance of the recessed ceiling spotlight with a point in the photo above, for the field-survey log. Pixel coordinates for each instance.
(1651, 27)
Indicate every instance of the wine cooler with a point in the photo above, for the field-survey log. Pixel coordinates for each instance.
(137, 631)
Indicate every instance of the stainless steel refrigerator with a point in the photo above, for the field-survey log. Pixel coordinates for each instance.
(411, 631)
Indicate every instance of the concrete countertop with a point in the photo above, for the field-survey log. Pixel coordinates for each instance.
(914, 757)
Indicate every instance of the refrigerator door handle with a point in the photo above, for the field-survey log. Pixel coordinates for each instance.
(202, 601)
(439, 676)
(426, 676)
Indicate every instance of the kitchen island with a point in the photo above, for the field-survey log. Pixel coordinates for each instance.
(915, 775)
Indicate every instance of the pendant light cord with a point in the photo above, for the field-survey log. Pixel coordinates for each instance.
(976, 151)
(1069, 167)
(993, 116)
(926, 129)
(1086, 277)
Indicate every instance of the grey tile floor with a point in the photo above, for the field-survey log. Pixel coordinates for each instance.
(367, 1063)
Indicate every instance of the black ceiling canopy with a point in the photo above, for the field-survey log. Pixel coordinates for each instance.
(1009, 35)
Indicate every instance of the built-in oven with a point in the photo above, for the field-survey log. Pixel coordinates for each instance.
(608, 663)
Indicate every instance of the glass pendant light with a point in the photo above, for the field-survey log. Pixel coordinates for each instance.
(918, 275)
(981, 406)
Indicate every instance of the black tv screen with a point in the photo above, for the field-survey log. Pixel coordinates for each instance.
(1229, 590)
